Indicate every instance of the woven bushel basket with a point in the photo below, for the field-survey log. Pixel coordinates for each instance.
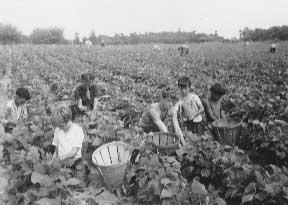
(111, 160)
(165, 143)
(227, 131)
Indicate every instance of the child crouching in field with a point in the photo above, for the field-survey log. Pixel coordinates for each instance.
(213, 104)
(68, 138)
(15, 109)
(86, 96)
(153, 118)
(189, 107)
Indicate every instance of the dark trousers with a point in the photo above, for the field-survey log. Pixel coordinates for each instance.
(151, 129)
(195, 127)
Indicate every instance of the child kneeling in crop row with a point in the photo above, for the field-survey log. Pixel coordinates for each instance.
(153, 118)
(68, 138)
(15, 110)
(87, 97)
(189, 107)
(213, 104)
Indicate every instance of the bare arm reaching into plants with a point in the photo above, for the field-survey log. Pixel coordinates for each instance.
(64, 158)
(177, 128)
(157, 120)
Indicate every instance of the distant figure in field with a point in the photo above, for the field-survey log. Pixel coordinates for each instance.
(156, 48)
(102, 44)
(88, 43)
(273, 48)
(183, 49)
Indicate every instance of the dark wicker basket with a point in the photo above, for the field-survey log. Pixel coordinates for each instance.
(165, 143)
(227, 131)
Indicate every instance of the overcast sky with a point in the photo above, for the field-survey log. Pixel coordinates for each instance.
(127, 16)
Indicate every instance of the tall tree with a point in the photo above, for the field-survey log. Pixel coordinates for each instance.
(9, 34)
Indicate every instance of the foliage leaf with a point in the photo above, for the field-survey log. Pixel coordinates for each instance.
(43, 180)
(198, 188)
(247, 198)
(73, 182)
(47, 201)
(165, 194)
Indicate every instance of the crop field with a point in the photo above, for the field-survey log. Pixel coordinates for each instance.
(203, 172)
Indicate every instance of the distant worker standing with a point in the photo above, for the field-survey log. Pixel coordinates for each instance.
(183, 49)
(273, 48)
(102, 44)
(156, 48)
(88, 43)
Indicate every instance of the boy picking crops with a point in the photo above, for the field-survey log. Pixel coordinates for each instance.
(68, 137)
(15, 109)
(189, 107)
(212, 104)
(153, 118)
(86, 96)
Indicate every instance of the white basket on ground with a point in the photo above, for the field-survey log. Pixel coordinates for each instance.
(111, 160)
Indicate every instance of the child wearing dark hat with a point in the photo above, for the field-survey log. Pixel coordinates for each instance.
(212, 104)
(86, 96)
(16, 109)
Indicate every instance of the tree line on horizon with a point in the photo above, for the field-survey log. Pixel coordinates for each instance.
(9, 34)
(275, 33)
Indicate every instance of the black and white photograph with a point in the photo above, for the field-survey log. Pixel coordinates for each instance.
(139, 102)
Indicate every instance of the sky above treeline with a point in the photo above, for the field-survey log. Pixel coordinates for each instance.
(127, 16)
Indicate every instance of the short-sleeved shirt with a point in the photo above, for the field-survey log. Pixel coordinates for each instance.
(87, 95)
(65, 141)
(12, 113)
(188, 106)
